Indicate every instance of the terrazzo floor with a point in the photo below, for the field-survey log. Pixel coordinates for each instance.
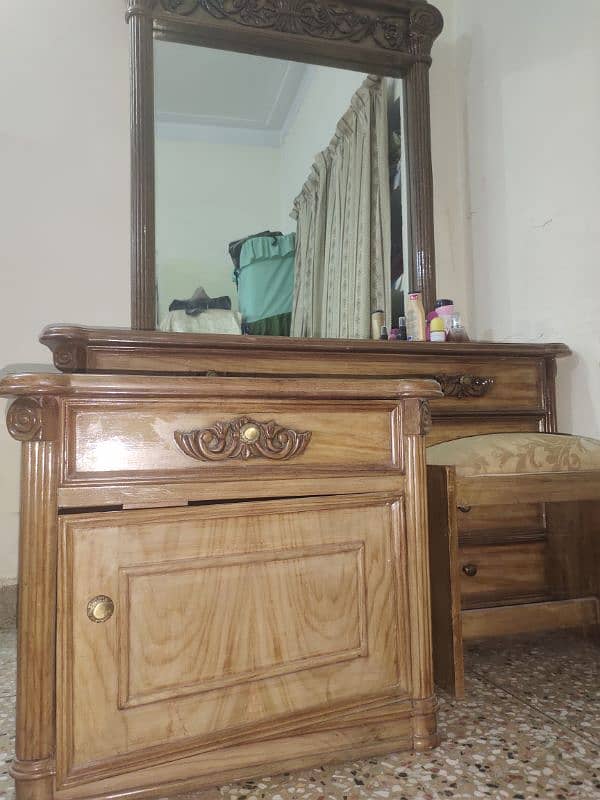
(529, 728)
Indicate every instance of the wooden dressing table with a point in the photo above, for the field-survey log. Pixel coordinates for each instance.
(219, 577)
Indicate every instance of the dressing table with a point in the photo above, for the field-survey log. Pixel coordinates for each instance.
(224, 565)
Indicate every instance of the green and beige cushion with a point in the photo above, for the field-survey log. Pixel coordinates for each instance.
(513, 453)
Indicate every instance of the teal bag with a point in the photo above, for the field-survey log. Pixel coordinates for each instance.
(266, 276)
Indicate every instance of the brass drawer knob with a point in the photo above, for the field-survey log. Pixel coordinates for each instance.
(100, 608)
(464, 509)
(470, 570)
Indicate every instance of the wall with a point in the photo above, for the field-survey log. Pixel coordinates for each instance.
(64, 205)
(527, 81)
(207, 195)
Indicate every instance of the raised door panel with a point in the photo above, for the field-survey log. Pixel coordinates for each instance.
(231, 621)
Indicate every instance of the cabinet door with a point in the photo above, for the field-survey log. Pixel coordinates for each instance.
(230, 621)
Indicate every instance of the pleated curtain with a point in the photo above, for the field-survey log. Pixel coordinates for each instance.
(342, 269)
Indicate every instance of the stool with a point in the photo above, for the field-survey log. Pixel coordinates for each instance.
(514, 540)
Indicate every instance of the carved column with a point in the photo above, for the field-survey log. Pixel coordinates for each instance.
(143, 255)
(416, 421)
(34, 423)
(424, 25)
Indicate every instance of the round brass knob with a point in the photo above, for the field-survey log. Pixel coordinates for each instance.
(100, 608)
(470, 570)
(464, 509)
(250, 433)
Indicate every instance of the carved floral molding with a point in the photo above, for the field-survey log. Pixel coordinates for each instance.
(415, 31)
(243, 438)
(463, 386)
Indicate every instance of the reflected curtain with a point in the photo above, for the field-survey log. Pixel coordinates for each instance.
(342, 269)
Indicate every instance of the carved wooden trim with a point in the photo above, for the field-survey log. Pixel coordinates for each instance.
(32, 420)
(416, 417)
(243, 438)
(463, 386)
(413, 32)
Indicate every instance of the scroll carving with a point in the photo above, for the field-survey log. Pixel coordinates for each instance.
(425, 25)
(243, 438)
(309, 17)
(32, 420)
(463, 386)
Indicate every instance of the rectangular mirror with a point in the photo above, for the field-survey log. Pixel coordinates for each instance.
(280, 196)
(313, 160)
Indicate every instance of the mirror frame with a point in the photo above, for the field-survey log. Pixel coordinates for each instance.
(385, 37)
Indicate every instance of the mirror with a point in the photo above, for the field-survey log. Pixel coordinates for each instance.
(280, 196)
(349, 247)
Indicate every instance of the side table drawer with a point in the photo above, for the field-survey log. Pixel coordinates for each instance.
(201, 440)
(496, 573)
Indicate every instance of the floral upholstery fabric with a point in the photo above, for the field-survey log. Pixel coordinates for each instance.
(512, 453)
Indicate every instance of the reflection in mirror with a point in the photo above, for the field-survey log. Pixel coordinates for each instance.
(280, 190)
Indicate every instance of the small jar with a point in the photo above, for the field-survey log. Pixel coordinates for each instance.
(445, 309)
(437, 330)
(457, 332)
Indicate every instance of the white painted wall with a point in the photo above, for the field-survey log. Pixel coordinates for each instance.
(527, 88)
(207, 195)
(64, 204)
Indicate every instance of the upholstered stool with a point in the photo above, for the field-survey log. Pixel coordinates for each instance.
(514, 524)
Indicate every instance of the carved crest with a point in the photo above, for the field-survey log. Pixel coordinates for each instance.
(320, 20)
(462, 386)
(243, 438)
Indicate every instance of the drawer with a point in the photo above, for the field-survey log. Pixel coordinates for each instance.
(495, 573)
(199, 439)
(500, 524)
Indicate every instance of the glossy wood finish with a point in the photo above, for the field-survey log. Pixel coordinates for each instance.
(375, 36)
(220, 626)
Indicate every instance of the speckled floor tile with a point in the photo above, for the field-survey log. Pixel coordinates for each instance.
(501, 742)
(571, 696)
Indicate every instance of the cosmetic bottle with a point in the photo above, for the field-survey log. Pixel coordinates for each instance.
(401, 337)
(437, 330)
(444, 309)
(415, 318)
(383, 333)
(377, 320)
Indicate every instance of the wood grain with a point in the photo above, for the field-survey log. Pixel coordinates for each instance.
(330, 636)
(446, 622)
(504, 572)
(33, 767)
(530, 618)
(547, 487)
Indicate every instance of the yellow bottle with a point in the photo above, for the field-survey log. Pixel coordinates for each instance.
(415, 318)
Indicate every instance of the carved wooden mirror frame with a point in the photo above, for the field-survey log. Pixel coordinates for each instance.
(385, 37)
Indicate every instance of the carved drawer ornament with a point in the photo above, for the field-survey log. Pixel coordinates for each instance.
(462, 386)
(243, 438)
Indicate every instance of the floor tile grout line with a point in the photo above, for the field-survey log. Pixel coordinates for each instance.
(586, 739)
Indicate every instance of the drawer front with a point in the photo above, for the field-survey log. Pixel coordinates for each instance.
(496, 573)
(228, 622)
(201, 440)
